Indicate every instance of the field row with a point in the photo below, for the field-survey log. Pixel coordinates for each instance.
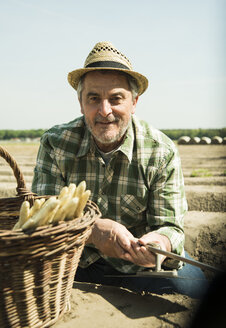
(211, 158)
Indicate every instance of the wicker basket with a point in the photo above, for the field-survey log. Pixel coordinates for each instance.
(37, 269)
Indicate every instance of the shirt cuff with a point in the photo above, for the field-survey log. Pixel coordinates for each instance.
(177, 246)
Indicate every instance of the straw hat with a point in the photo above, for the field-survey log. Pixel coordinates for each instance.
(105, 56)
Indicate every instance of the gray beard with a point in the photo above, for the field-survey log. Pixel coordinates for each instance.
(107, 141)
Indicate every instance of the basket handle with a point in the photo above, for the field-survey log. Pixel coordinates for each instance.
(21, 185)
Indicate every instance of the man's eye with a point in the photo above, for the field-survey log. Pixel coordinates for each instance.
(93, 99)
(115, 99)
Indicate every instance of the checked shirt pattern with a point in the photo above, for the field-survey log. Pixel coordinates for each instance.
(142, 186)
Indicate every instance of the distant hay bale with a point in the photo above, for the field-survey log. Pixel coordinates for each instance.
(194, 141)
(184, 140)
(216, 140)
(205, 141)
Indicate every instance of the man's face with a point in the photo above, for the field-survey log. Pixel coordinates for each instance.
(107, 105)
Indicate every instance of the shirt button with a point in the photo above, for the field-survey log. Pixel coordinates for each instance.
(138, 208)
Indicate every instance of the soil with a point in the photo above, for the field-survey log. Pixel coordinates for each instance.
(205, 230)
(100, 306)
(206, 238)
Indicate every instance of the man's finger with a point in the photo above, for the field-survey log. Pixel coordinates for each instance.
(141, 255)
(119, 250)
(128, 257)
(136, 256)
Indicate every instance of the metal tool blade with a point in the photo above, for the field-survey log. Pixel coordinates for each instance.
(201, 265)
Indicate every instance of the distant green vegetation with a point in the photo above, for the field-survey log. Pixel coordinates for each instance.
(21, 134)
(174, 134)
(201, 173)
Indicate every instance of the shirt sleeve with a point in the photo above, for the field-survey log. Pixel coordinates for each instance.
(168, 205)
(47, 179)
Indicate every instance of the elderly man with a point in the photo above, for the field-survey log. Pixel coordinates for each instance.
(133, 172)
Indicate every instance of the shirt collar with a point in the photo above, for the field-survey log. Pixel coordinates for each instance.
(127, 146)
(88, 144)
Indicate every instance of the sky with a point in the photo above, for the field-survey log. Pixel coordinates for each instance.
(179, 45)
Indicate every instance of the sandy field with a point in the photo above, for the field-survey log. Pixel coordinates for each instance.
(204, 168)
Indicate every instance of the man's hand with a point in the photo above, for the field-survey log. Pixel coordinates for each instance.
(111, 238)
(140, 255)
(114, 240)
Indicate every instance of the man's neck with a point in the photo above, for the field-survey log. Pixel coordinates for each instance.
(107, 148)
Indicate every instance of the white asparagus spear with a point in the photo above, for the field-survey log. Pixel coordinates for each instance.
(82, 203)
(37, 205)
(71, 208)
(71, 190)
(59, 215)
(66, 211)
(16, 226)
(63, 192)
(24, 214)
(49, 218)
(80, 189)
(40, 216)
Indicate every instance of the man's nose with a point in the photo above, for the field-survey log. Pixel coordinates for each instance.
(105, 108)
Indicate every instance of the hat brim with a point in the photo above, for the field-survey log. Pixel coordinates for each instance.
(75, 76)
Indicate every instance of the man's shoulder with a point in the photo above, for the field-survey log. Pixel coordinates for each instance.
(66, 135)
(71, 126)
(151, 137)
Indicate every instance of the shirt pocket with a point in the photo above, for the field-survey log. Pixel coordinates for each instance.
(133, 209)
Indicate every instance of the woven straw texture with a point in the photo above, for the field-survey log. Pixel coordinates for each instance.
(106, 52)
(37, 269)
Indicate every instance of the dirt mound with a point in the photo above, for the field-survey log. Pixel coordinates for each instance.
(209, 198)
(206, 238)
(206, 181)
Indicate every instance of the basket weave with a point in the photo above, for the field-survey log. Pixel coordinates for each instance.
(37, 269)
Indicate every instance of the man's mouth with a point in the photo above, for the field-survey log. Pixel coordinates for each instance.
(105, 123)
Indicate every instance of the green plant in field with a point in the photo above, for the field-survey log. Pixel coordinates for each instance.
(201, 173)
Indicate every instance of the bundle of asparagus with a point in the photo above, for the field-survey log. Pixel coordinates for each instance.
(69, 204)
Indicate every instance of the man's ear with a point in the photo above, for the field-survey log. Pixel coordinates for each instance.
(81, 107)
(134, 105)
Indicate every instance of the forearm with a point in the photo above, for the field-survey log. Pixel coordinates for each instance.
(167, 204)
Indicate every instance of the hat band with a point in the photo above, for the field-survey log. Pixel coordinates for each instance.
(107, 63)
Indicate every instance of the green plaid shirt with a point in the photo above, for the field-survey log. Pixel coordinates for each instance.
(141, 187)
